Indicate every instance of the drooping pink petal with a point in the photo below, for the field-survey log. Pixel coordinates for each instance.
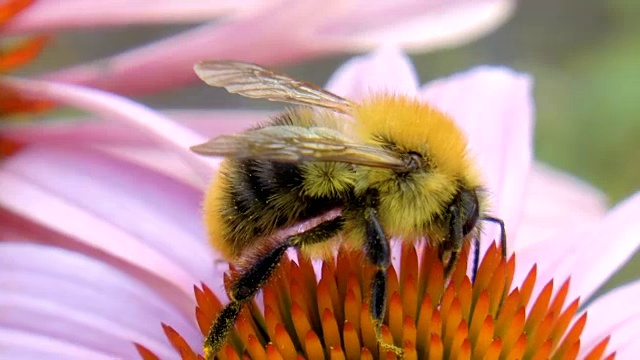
(495, 107)
(424, 25)
(48, 15)
(265, 37)
(115, 210)
(80, 305)
(128, 113)
(284, 31)
(386, 70)
(555, 202)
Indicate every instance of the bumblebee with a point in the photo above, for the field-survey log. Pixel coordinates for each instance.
(390, 166)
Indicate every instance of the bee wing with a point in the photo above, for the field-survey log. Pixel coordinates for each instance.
(253, 81)
(296, 144)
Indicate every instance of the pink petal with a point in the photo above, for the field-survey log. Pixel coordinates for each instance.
(385, 70)
(92, 131)
(495, 108)
(115, 210)
(617, 314)
(81, 304)
(126, 112)
(47, 16)
(133, 144)
(264, 37)
(589, 254)
(159, 161)
(606, 248)
(555, 202)
(415, 24)
(17, 344)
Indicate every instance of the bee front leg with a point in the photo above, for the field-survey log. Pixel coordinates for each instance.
(378, 252)
(453, 246)
(251, 279)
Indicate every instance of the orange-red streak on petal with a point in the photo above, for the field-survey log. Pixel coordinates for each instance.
(21, 53)
(9, 9)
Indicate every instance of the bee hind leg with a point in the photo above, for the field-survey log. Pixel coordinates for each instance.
(378, 252)
(251, 279)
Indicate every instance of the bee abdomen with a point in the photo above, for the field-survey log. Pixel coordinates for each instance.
(254, 198)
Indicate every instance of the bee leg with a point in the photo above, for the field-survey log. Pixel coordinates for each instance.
(503, 249)
(378, 252)
(251, 279)
(456, 239)
(240, 292)
(476, 259)
(503, 234)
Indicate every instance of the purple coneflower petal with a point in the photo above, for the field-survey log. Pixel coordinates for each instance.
(385, 70)
(44, 16)
(495, 107)
(134, 143)
(128, 112)
(151, 69)
(615, 314)
(590, 253)
(123, 212)
(319, 28)
(607, 247)
(96, 131)
(78, 305)
(575, 203)
(415, 24)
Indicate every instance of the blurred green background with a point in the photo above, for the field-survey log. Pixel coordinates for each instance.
(583, 54)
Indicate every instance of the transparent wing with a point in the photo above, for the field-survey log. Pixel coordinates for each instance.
(253, 81)
(298, 144)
